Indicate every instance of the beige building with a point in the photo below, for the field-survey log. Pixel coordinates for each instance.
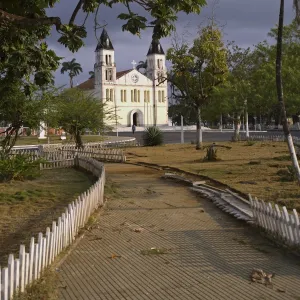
(138, 99)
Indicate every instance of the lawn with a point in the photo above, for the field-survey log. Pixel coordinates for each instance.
(246, 167)
(29, 207)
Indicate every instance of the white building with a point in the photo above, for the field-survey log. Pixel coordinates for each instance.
(138, 99)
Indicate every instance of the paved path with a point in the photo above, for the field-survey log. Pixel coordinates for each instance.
(209, 255)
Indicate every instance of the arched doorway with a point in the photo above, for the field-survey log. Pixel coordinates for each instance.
(135, 119)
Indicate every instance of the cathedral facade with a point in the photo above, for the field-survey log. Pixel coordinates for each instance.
(136, 98)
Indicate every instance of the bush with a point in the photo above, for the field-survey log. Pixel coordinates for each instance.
(153, 136)
(19, 167)
(211, 154)
(289, 174)
(28, 131)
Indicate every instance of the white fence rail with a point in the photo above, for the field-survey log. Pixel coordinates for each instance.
(277, 221)
(69, 152)
(28, 266)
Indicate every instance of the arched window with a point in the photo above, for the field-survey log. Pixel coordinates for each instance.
(145, 96)
(125, 96)
(159, 96)
(122, 96)
(131, 95)
(107, 94)
(135, 95)
(111, 95)
(106, 59)
(106, 74)
(109, 59)
(148, 96)
(139, 96)
(163, 96)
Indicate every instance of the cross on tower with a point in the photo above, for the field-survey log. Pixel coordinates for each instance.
(133, 64)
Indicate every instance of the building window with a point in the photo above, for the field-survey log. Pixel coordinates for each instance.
(145, 96)
(106, 75)
(163, 96)
(122, 96)
(158, 63)
(139, 96)
(131, 95)
(148, 96)
(111, 95)
(107, 94)
(106, 59)
(109, 59)
(159, 96)
(135, 95)
(125, 96)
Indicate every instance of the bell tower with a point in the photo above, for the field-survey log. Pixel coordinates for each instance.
(105, 67)
(156, 71)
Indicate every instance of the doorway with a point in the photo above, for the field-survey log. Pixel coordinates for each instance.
(135, 119)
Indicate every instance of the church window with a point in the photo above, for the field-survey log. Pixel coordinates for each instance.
(106, 59)
(135, 95)
(145, 96)
(125, 96)
(106, 74)
(109, 59)
(158, 63)
(148, 96)
(109, 74)
(159, 96)
(131, 95)
(107, 94)
(122, 96)
(139, 96)
(163, 96)
(111, 95)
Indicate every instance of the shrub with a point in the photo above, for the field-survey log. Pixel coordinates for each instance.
(211, 154)
(19, 167)
(288, 174)
(28, 131)
(153, 136)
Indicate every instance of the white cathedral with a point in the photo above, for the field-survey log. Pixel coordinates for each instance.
(139, 99)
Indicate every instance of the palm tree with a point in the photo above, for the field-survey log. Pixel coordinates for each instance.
(285, 126)
(92, 74)
(73, 68)
(142, 65)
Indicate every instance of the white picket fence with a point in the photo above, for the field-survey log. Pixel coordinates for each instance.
(53, 154)
(277, 221)
(28, 266)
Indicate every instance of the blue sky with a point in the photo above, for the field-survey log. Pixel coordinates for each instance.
(245, 22)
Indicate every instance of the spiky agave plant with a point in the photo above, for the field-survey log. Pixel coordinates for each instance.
(153, 136)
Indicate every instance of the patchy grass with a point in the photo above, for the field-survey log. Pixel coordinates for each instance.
(258, 164)
(29, 207)
(45, 288)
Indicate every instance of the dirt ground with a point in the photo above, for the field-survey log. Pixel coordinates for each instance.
(29, 207)
(247, 168)
(158, 240)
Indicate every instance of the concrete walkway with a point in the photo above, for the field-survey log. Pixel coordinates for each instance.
(207, 253)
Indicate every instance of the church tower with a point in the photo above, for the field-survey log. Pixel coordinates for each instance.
(105, 67)
(156, 71)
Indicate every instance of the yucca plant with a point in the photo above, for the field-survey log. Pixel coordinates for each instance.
(153, 136)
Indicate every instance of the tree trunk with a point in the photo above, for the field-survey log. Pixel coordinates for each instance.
(71, 81)
(9, 141)
(247, 124)
(237, 126)
(199, 130)
(78, 139)
(286, 129)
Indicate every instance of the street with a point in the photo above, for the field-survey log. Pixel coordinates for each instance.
(208, 136)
